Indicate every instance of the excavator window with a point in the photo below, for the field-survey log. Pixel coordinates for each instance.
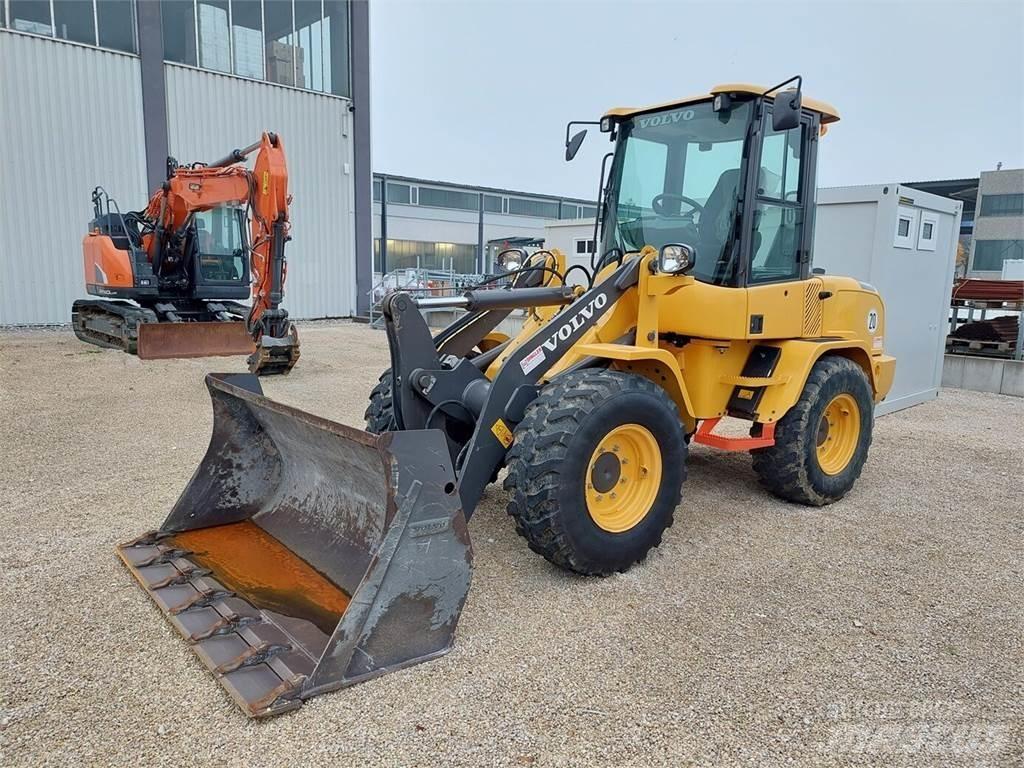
(221, 250)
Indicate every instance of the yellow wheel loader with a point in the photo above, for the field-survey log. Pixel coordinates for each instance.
(306, 555)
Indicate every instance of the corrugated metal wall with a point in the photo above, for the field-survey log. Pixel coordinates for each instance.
(71, 120)
(211, 114)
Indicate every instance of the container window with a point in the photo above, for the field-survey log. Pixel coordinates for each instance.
(906, 219)
(929, 229)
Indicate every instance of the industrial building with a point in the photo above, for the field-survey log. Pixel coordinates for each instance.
(426, 224)
(992, 228)
(100, 92)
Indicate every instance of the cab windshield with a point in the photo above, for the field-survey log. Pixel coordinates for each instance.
(220, 244)
(675, 179)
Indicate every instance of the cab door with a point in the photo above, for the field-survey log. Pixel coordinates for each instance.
(779, 229)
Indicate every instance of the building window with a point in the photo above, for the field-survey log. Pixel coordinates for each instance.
(437, 257)
(336, 46)
(75, 21)
(568, 211)
(584, 246)
(376, 190)
(31, 16)
(279, 34)
(449, 198)
(301, 43)
(905, 229)
(117, 24)
(492, 203)
(247, 38)
(179, 24)
(214, 38)
(928, 232)
(1002, 205)
(589, 212)
(399, 193)
(541, 209)
(989, 255)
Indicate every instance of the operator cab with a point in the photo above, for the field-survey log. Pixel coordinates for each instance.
(720, 174)
(220, 253)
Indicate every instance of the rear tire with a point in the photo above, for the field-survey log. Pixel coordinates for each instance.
(822, 442)
(563, 475)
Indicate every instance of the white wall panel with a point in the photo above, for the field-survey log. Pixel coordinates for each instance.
(71, 119)
(211, 114)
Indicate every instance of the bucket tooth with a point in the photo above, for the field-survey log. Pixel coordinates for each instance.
(180, 577)
(161, 556)
(255, 654)
(227, 623)
(287, 690)
(201, 599)
(305, 556)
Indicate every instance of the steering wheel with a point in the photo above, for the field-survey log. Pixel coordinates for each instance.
(658, 204)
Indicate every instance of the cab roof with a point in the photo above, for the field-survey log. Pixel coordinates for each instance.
(828, 113)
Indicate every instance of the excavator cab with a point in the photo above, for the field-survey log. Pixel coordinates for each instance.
(220, 254)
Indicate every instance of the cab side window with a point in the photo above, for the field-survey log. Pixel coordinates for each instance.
(778, 209)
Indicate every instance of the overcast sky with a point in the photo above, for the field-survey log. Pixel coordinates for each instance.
(479, 91)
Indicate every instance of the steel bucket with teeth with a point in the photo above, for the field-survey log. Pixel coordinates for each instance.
(304, 555)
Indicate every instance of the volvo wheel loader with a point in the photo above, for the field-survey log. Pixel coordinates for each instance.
(306, 555)
(170, 279)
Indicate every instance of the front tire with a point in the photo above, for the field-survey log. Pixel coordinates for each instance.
(596, 470)
(380, 413)
(822, 442)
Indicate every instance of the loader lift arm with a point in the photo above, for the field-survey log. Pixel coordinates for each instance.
(424, 386)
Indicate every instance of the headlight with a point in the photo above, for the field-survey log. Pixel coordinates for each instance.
(512, 259)
(606, 124)
(675, 258)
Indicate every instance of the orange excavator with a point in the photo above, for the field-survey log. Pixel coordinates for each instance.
(172, 278)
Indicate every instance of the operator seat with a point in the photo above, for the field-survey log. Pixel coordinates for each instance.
(716, 221)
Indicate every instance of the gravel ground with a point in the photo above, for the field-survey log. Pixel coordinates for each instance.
(883, 630)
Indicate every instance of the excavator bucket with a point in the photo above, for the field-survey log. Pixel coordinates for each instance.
(161, 341)
(305, 555)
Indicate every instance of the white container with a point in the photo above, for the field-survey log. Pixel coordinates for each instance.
(903, 242)
(1013, 269)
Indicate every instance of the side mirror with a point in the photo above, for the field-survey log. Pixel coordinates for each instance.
(676, 258)
(786, 111)
(572, 146)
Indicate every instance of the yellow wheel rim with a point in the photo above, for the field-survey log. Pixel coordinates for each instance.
(623, 478)
(838, 434)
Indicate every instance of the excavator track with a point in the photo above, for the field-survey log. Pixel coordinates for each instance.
(110, 324)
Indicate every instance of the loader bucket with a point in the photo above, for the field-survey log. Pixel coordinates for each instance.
(223, 338)
(304, 555)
